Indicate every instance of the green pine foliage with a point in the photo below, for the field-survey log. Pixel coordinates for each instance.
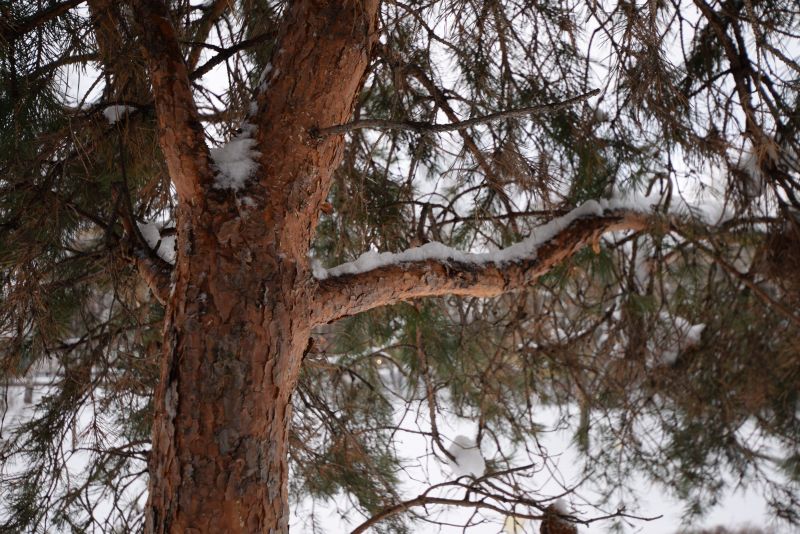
(602, 338)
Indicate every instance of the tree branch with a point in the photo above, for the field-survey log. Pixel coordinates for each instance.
(759, 291)
(14, 29)
(469, 143)
(60, 62)
(225, 53)
(424, 127)
(204, 25)
(180, 132)
(471, 488)
(155, 271)
(156, 274)
(478, 497)
(435, 270)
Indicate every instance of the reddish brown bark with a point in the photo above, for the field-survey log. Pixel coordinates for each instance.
(239, 317)
(235, 335)
(314, 78)
(244, 301)
(180, 132)
(350, 294)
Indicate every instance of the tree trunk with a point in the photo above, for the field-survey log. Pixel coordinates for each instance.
(239, 316)
(235, 336)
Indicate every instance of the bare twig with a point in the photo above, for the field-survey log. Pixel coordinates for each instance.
(424, 127)
(475, 497)
(225, 53)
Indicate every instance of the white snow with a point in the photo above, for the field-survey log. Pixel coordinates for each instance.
(437, 251)
(560, 506)
(514, 525)
(693, 334)
(116, 112)
(750, 162)
(75, 451)
(681, 336)
(268, 75)
(318, 270)
(264, 73)
(525, 249)
(247, 202)
(468, 458)
(163, 246)
(235, 161)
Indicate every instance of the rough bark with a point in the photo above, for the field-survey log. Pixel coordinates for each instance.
(238, 318)
(235, 336)
(244, 301)
(313, 80)
(180, 132)
(345, 295)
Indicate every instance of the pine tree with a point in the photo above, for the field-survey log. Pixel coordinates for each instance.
(198, 260)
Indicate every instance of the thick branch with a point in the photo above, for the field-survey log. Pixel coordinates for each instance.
(155, 271)
(61, 62)
(424, 127)
(13, 29)
(318, 68)
(180, 131)
(349, 291)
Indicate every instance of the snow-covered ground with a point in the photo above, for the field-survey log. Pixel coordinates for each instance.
(563, 469)
(89, 427)
(423, 469)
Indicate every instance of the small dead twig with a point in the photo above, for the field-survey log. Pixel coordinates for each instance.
(425, 127)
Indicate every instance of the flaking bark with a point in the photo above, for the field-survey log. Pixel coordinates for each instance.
(238, 318)
(244, 301)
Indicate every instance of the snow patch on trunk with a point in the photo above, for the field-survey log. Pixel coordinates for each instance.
(235, 161)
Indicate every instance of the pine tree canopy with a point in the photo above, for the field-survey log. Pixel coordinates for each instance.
(251, 248)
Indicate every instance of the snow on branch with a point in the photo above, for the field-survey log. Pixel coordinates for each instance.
(235, 161)
(380, 279)
(437, 251)
(116, 112)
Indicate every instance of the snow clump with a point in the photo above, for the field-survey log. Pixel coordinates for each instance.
(235, 161)
(164, 246)
(116, 112)
(468, 460)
